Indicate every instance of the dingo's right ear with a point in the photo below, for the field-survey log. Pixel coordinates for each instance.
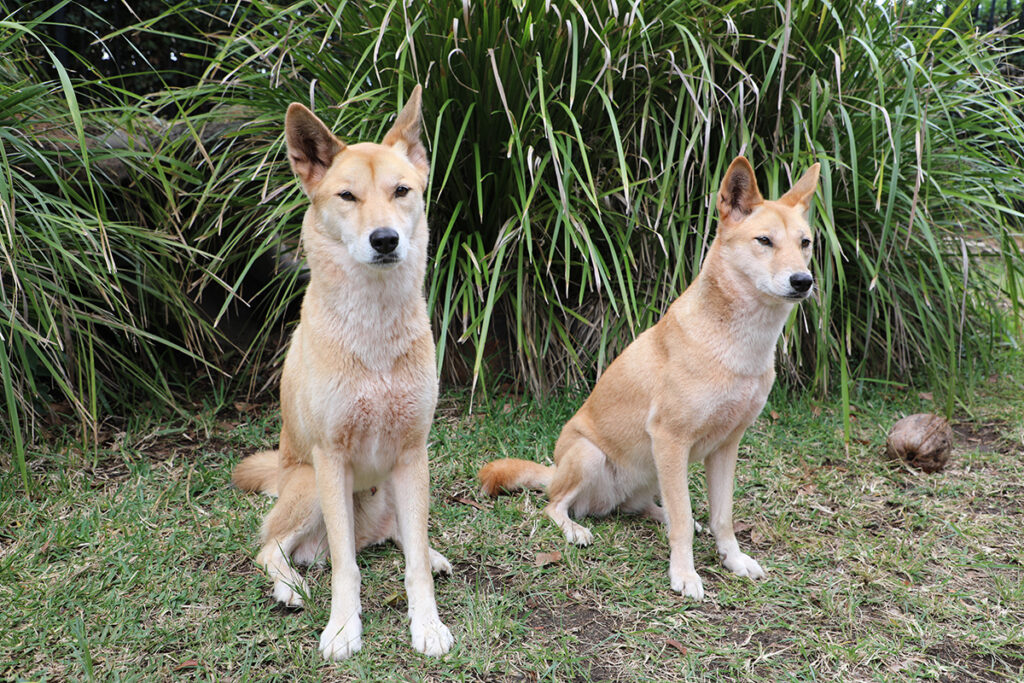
(802, 192)
(311, 145)
(738, 195)
(404, 136)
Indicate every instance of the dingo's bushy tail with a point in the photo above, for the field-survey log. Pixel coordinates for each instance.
(257, 473)
(511, 474)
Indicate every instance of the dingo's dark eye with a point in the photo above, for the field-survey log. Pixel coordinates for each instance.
(347, 196)
(765, 240)
(804, 243)
(401, 191)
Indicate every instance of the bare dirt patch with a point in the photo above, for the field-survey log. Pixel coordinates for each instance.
(968, 665)
(489, 577)
(593, 627)
(985, 437)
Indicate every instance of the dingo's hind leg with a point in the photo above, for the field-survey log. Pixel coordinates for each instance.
(293, 533)
(580, 485)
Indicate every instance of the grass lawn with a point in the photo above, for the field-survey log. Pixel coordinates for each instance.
(136, 562)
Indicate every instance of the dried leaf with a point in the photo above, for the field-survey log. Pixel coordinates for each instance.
(544, 559)
(471, 503)
(672, 642)
(775, 415)
(188, 664)
(395, 600)
(926, 396)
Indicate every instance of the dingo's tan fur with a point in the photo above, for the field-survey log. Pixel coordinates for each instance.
(687, 388)
(359, 386)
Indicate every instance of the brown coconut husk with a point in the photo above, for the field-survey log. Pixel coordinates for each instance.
(923, 441)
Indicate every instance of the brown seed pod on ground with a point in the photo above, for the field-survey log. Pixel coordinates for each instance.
(922, 441)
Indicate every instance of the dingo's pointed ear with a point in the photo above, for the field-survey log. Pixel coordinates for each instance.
(802, 192)
(404, 136)
(311, 145)
(738, 195)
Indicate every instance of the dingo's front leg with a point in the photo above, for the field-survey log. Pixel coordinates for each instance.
(342, 637)
(721, 472)
(411, 483)
(672, 461)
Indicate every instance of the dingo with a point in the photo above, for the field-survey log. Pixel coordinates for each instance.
(359, 385)
(686, 389)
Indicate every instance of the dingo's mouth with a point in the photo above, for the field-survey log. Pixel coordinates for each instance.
(385, 261)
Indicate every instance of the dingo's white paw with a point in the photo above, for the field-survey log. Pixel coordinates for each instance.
(432, 638)
(341, 640)
(290, 594)
(577, 533)
(687, 583)
(439, 564)
(743, 565)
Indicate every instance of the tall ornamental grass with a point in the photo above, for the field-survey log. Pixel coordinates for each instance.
(577, 148)
(94, 309)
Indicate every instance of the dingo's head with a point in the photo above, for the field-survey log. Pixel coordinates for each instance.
(770, 242)
(368, 197)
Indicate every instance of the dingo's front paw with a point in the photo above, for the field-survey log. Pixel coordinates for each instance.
(687, 583)
(341, 640)
(431, 637)
(742, 564)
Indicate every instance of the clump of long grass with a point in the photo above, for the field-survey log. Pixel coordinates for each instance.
(577, 148)
(93, 311)
(576, 151)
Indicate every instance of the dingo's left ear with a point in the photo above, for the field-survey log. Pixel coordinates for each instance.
(802, 192)
(404, 136)
(738, 195)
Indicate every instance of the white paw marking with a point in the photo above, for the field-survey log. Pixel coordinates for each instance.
(687, 583)
(431, 637)
(341, 640)
(577, 534)
(744, 565)
(290, 594)
(439, 564)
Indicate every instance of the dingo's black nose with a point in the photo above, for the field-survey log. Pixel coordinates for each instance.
(801, 282)
(384, 240)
